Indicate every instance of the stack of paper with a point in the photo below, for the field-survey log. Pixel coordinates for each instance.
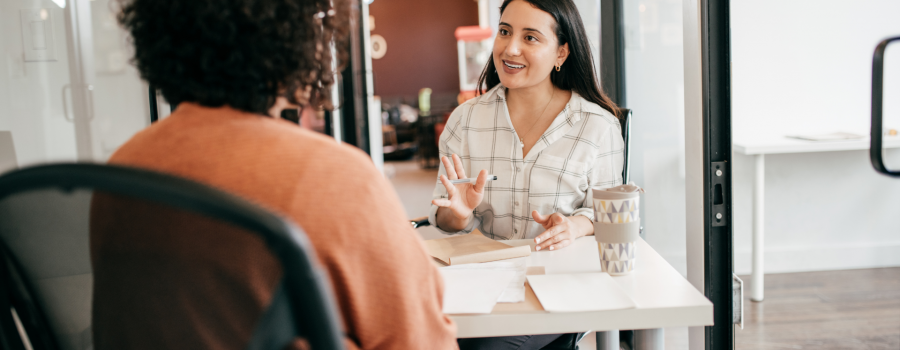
(579, 292)
(472, 248)
(473, 291)
(515, 290)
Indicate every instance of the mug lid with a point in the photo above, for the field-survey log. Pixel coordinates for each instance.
(627, 191)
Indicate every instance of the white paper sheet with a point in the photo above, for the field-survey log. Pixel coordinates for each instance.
(579, 292)
(473, 291)
(835, 136)
(515, 291)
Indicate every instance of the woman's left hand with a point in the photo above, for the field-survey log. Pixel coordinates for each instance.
(560, 230)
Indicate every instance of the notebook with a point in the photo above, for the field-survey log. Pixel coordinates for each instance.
(472, 248)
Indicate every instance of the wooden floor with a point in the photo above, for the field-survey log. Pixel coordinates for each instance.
(848, 309)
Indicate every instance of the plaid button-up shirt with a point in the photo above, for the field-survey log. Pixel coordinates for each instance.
(582, 149)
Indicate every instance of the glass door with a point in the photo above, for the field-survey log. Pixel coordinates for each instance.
(119, 95)
(675, 55)
(36, 112)
(67, 91)
(808, 205)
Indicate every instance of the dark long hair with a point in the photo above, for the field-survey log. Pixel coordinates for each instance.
(577, 72)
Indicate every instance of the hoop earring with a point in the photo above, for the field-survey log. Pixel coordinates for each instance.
(557, 68)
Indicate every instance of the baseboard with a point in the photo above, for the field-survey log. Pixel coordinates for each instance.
(802, 259)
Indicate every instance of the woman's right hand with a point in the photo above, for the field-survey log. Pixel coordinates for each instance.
(463, 198)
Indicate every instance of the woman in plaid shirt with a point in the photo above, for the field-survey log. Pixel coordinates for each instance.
(542, 125)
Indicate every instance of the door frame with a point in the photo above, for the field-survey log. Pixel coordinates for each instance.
(708, 165)
(79, 47)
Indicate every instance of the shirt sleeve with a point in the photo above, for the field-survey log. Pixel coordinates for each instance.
(451, 142)
(607, 167)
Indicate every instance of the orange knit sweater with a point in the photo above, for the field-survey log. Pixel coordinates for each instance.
(160, 285)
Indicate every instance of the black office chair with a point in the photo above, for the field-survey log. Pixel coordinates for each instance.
(46, 276)
(625, 123)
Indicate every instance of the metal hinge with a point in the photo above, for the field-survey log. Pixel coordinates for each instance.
(719, 194)
(737, 300)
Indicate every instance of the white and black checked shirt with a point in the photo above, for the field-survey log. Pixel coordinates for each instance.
(582, 149)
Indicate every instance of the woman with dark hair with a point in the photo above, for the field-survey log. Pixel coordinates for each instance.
(164, 282)
(542, 125)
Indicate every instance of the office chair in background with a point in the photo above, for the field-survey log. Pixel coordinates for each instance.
(46, 276)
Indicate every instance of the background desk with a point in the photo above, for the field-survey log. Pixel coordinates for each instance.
(664, 298)
(759, 147)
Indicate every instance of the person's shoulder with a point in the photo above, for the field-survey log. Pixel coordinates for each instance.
(477, 105)
(592, 112)
(208, 135)
(492, 96)
(320, 149)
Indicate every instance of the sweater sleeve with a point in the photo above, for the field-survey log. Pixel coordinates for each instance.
(389, 292)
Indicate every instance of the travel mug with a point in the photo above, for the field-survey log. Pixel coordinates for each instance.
(617, 225)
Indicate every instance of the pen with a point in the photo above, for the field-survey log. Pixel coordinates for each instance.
(472, 180)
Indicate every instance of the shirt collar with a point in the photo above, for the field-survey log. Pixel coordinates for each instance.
(562, 123)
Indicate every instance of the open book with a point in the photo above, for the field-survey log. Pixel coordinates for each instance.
(472, 248)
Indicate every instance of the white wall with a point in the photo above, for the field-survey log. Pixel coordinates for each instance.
(806, 67)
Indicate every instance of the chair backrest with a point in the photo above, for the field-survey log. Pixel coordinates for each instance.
(46, 271)
(626, 135)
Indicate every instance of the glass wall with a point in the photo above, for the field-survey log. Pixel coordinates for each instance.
(654, 83)
(804, 68)
(67, 91)
(122, 105)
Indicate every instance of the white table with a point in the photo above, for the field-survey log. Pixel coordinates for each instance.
(759, 147)
(664, 299)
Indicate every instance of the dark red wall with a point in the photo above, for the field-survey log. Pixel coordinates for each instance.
(421, 48)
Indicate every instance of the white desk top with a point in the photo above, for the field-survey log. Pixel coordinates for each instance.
(781, 144)
(664, 298)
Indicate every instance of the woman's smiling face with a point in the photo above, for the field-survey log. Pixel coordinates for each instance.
(526, 48)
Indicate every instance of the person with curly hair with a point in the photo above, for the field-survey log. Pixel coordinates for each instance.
(231, 66)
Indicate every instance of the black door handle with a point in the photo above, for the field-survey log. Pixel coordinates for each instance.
(875, 150)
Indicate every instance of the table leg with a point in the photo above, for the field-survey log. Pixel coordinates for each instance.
(759, 191)
(608, 340)
(649, 339)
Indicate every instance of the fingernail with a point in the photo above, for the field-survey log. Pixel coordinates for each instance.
(537, 240)
(551, 247)
(537, 248)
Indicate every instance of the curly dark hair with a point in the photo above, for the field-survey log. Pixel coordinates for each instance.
(240, 53)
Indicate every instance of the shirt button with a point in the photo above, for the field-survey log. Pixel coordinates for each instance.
(518, 169)
(516, 231)
(517, 203)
